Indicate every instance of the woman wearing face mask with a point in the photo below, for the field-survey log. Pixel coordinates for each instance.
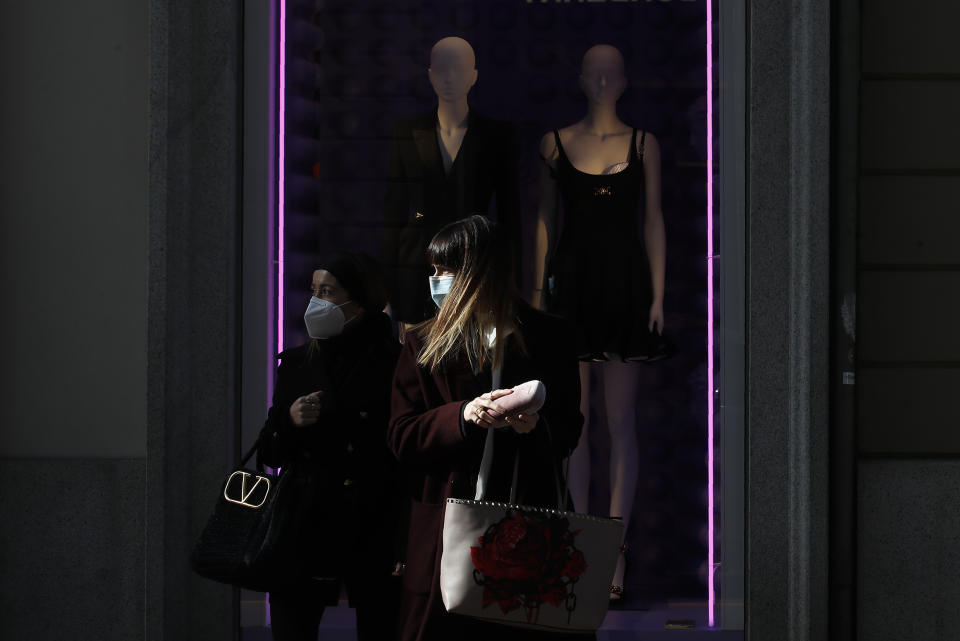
(327, 425)
(453, 370)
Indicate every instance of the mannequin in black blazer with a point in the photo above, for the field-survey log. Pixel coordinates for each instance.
(444, 165)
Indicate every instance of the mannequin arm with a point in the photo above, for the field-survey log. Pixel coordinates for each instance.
(546, 218)
(654, 231)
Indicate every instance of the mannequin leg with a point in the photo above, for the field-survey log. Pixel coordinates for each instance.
(619, 392)
(579, 479)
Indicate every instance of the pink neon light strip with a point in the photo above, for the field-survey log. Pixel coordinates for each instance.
(281, 161)
(711, 560)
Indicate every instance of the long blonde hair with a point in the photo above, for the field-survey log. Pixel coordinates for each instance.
(483, 295)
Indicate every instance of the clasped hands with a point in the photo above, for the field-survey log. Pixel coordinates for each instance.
(486, 413)
(306, 409)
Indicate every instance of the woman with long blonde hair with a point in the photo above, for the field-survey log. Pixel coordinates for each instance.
(451, 379)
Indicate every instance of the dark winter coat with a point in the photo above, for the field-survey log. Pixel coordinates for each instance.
(440, 456)
(354, 502)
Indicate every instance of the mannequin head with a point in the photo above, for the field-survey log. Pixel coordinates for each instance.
(602, 76)
(453, 69)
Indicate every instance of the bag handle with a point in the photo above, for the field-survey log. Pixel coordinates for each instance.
(486, 463)
(250, 452)
(564, 494)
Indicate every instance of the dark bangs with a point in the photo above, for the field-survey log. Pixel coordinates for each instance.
(448, 247)
(477, 249)
(482, 294)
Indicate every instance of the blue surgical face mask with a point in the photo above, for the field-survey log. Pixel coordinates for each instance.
(439, 288)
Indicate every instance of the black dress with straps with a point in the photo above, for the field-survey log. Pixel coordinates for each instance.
(599, 274)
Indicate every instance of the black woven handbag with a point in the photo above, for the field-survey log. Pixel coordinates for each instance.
(251, 540)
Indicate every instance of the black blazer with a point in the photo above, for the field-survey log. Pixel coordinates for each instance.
(421, 199)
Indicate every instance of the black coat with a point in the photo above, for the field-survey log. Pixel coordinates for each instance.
(421, 199)
(354, 502)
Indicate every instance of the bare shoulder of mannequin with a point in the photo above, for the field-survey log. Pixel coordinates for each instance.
(548, 144)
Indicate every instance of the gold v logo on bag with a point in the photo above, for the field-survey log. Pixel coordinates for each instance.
(246, 497)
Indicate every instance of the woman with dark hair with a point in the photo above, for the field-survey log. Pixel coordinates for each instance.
(444, 402)
(327, 426)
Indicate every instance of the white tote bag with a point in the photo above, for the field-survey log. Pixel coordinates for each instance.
(527, 566)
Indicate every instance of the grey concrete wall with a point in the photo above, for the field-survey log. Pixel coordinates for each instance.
(73, 229)
(72, 552)
(788, 240)
(119, 242)
(908, 556)
(73, 240)
(195, 149)
(908, 353)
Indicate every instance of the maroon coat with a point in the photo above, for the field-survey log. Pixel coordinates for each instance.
(440, 457)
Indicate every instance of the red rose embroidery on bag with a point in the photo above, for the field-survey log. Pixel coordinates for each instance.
(527, 559)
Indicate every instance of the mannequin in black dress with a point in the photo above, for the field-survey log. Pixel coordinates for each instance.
(605, 269)
(445, 165)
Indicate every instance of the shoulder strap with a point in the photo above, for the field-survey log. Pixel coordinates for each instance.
(643, 135)
(486, 463)
(559, 149)
(556, 137)
(249, 454)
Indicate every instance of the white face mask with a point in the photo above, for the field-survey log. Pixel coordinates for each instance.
(439, 288)
(324, 319)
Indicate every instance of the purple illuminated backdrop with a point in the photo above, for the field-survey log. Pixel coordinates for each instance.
(347, 72)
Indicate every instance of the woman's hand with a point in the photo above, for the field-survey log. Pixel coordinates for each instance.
(306, 409)
(656, 317)
(523, 423)
(484, 411)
